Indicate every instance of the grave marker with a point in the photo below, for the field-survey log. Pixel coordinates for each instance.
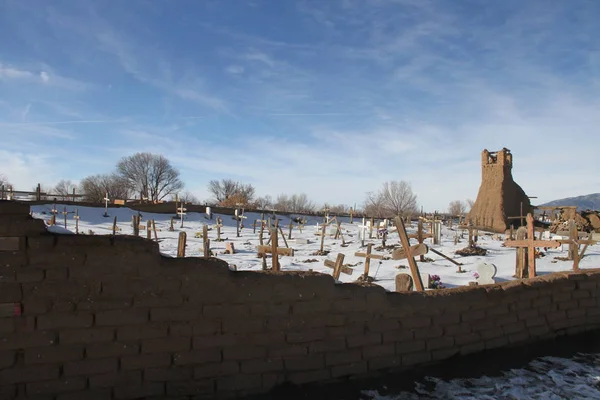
(106, 200)
(404, 283)
(76, 221)
(414, 269)
(486, 272)
(343, 269)
(205, 241)
(368, 256)
(149, 229)
(65, 216)
(530, 243)
(181, 244)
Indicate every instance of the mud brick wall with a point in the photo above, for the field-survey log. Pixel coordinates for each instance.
(95, 317)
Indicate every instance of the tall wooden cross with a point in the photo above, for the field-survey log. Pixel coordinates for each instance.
(274, 249)
(414, 269)
(219, 225)
(368, 256)
(530, 243)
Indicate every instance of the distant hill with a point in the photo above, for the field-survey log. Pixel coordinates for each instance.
(586, 202)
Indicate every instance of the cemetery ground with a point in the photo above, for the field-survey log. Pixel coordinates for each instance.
(306, 244)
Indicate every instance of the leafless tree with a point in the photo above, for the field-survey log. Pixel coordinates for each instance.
(150, 175)
(189, 198)
(457, 207)
(4, 181)
(339, 209)
(297, 203)
(263, 202)
(470, 203)
(63, 188)
(224, 189)
(395, 198)
(96, 187)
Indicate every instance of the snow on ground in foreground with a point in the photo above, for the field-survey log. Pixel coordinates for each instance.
(546, 378)
(246, 259)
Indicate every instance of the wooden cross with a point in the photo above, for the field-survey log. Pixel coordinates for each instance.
(339, 233)
(181, 212)
(414, 269)
(420, 236)
(154, 230)
(338, 266)
(530, 243)
(274, 249)
(574, 244)
(291, 226)
(114, 228)
(368, 256)
(219, 225)
(171, 227)
(362, 232)
(76, 221)
(64, 213)
(106, 200)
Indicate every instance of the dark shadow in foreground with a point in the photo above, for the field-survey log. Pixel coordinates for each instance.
(489, 363)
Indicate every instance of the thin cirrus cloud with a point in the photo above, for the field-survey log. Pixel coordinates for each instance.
(327, 98)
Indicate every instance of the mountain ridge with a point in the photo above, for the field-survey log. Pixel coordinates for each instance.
(583, 202)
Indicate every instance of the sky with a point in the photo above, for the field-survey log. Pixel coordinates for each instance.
(328, 98)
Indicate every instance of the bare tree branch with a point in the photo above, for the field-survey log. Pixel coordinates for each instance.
(150, 175)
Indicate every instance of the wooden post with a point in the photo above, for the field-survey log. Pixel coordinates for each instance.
(261, 232)
(65, 216)
(283, 237)
(290, 231)
(181, 244)
(371, 228)
(274, 255)
(38, 192)
(149, 229)
(172, 228)
(114, 227)
(205, 241)
(254, 227)
(351, 216)
(154, 230)
(414, 269)
(136, 225)
(219, 229)
(574, 238)
(77, 221)
(322, 238)
(521, 271)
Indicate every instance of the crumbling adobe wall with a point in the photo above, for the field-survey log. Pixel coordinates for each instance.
(109, 318)
(499, 196)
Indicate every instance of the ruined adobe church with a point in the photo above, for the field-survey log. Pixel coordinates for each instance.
(499, 196)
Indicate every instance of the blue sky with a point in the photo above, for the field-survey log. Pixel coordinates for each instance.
(330, 98)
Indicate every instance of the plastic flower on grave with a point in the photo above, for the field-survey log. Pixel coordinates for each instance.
(476, 275)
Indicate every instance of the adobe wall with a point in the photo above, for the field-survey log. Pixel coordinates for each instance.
(110, 318)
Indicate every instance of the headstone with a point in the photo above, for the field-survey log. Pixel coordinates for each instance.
(425, 278)
(404, 283)
(229, 248)
(208, 213)
(486, 272)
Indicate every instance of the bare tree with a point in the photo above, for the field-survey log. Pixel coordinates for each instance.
(150, 175)
(339, 209)
(96, 187)
(4, 181)
(224, 189)
(300, 203)
(189, 198)
(64, 188)
(470, 203)
(395, 198)
(263, 202)
(457, 207)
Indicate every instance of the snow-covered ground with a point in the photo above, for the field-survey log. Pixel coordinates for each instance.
(246, 258)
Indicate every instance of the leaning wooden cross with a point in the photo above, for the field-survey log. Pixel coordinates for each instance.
(368, 256)
(338, 266)
(574, 243)
(530, 243)
(414, 269)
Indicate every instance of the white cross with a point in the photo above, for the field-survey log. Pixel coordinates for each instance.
(362, 232)
(106, 200)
